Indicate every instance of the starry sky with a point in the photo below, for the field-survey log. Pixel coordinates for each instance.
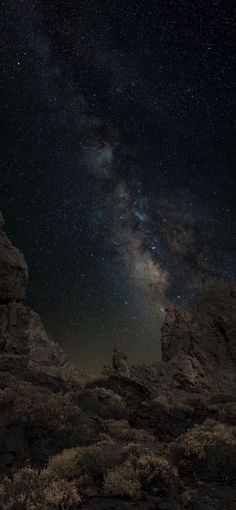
(117, 163)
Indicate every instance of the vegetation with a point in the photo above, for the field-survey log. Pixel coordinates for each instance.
(83, 454)
(208, 451)
(31, 489)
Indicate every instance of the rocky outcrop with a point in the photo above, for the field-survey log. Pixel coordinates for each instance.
(119, 364)
(175, 332)
(13, 270)
(201, 350)
(24, 343)
(198, 351)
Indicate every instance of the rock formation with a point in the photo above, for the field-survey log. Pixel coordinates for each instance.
(24, 343)
(13, 270)
(202, 347)
(119, 364)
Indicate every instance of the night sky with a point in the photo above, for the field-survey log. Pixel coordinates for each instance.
(117, 163)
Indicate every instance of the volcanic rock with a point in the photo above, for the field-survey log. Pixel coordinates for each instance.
(201, 350)
(13, 270)
(24, 343)
(120, 365)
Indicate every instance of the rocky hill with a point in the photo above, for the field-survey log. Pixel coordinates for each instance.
(158, 437)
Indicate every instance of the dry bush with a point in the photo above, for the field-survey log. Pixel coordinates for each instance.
(51, 411)
(49, 422)
(133, 450)
(157, 474)
(38, 490)
(88, 465)
(106, 468)
(123, 481)
(95, 461)
(66, 464)
(141, 471)
(209, 451)
(121, 430)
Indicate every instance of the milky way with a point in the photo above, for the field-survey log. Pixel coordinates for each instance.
(117, 163)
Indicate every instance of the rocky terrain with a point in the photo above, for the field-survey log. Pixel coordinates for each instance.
(159, 437)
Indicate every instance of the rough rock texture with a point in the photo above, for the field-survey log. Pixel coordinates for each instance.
(13, 270)
(24, 342)
(175, 332)
(202, 348)
(120, 365)
(198, 352)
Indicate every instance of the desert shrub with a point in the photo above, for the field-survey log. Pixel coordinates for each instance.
(102, 402)
(95, 461)
(51, 411)
(38, 490)
(157, 474)
(51, 421)
(133, 450)
(122, 430)
(66, 464)
(209, 451)
(116, 427)
(123, 481)
(141, 471)
(136, 435)
(88, 465)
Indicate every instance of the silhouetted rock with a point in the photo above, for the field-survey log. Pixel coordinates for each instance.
(13, 270)
(201, 350)
(24, 343)
(120, 364)
(175, 332)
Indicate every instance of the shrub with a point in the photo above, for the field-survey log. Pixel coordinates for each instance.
(209, 451)
(133, 451)
(47, 410)
(122, 430)
(87, 465)
(66, 464)
(141, 471)
(123, 481)
(36, 490)
(157, 474)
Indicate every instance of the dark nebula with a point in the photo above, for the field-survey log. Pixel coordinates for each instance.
(117, 163)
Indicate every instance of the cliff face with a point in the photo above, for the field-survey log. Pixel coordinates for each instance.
(202, 348)
(24, 343)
